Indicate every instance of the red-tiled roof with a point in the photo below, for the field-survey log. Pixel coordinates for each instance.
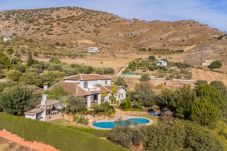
(87, 77)
(34, 111)
(72, 88)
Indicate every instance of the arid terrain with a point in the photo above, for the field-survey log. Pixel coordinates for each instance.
(67, 32)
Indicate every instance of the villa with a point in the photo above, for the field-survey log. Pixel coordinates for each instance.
(94, 87)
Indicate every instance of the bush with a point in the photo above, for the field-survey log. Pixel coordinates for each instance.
(127, 104)
(125, 136)
(215, 64)
(16, 100)
(104, 109)
(4, 61)
(81, 119)
(121, 82)
(145, 77)
(204, 112)
(13, 75)
(177, 136)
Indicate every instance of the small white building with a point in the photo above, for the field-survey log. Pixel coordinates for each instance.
(162, 63)
(207, 63)
(46, 110)
(93, 50)
(6, 39)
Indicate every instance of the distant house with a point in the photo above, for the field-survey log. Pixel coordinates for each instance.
(93, 87)
(207, 63)
(162, 63)
(6, 39)
(46, 110)
(93, 50)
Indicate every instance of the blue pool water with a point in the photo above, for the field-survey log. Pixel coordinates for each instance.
(113, 124)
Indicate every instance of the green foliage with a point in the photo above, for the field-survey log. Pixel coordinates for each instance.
(204, 112)
(182, 65)
(125, 136)
(177, 136)
(57, 93)
(145, 78)
(13, 75)
(121, 82)
(142, 96)
(55, 60)
(4, 61)
(81, 119)
(104, 109)
(127, 104)
(76, 105)
(180, 101)
(51, 77)
(31, 78)
(205, 104)
(151, 58)
(30, 60)
(215, 64)
(16, 100)
(216, 94)
(63, 138)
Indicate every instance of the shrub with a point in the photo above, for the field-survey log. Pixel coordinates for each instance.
(13, 75)
(16, 100)
(125, 137)
(127, 104)
(104, 109)
(215, 64)
(4, 61)
(81, 119)
(121, 82)
(145, 77)
(55, 60)
(205, 113)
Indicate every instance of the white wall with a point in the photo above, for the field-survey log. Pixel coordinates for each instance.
(31, 117)
(121, 94)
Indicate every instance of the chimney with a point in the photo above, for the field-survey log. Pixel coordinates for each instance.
(44, 96)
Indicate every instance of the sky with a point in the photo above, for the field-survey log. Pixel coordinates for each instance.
(211, 12)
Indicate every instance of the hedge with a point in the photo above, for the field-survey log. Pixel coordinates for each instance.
(63, 138)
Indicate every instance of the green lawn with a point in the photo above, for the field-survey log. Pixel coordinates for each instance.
(62, 137)
(96, 132)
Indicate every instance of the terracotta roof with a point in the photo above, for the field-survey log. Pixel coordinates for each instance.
(72, 88)
(87, 77)
(34, 111)
(105, 90)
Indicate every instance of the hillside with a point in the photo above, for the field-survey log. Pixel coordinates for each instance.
(71, 30)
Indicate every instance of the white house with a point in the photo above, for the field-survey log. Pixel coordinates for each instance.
(46, 110)
(93, 50)
(162, 63)
(93, 87)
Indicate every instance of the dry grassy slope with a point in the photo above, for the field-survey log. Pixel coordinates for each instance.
(79, 28)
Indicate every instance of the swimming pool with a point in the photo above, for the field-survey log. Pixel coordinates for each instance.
(113, 124)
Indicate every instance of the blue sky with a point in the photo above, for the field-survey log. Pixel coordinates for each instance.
(211, 12)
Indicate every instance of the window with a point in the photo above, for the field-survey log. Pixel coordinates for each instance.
(85, 84)
(106, 82)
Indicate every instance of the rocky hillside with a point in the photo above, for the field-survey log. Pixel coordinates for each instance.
(76, 28)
